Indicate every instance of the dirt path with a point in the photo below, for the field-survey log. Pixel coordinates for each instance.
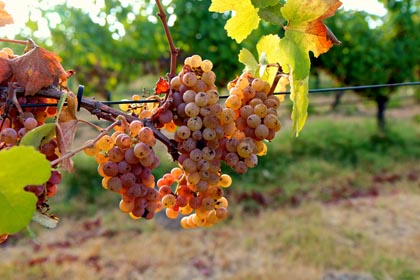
(364, 236)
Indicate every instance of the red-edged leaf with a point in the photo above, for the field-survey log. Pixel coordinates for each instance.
(38, 68)
(162, 86)
(5, 71)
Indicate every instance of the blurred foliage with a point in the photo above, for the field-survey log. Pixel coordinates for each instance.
(375, 50)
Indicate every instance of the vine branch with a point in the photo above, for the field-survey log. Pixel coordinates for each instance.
(105, 112)
(174, 50)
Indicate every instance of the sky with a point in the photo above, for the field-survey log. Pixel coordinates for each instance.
(20, 12)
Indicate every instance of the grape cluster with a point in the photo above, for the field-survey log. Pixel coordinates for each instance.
(255, 120)
(125, 161)
(14, 125)
(208, 134)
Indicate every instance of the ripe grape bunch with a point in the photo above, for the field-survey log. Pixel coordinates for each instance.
(125, 161)
(206, 132)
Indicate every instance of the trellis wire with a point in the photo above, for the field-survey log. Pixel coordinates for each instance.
(322, 90)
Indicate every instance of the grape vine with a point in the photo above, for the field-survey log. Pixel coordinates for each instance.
(200, 131)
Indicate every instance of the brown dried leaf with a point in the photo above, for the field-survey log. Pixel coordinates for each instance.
(5, 17)
(66, 129)
(38, 68)
(5, 71)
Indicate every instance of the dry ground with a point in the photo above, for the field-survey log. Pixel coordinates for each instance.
(371, 236)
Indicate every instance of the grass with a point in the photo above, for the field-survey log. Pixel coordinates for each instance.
(375, 236)
(328, 149)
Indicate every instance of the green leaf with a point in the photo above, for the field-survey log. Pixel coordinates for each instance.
(39, 135)
(299, 96)
(272, 14)
(265, 3)
(247, 58)
(20, 166)
(244, 20)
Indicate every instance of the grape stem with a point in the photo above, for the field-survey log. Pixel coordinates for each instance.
(174, 50)
(105, 112)
(279, 74)
(68, 155)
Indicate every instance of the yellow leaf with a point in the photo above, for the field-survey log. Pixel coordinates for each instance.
(270, 46)
(245, 17)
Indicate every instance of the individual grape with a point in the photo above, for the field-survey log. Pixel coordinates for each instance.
(197, 135)
(251, 161)
(209, 78)
(209, 134)
(231, 159)
(105, 143)
(171, 213)
(271, 121)
(165, 116)
(234, 102)
(8, 136)
(244, 149)
(189, 79)
(189, 96)
(195, 123)
(168, 201)
(141, 150)
(192, 109)
(221, 213)
(242, 82)
(30, 123)
(258, 84)
(272, 102)
(200, 86)
(253, 120)
(123, 141)
(189, 165)
(195, 61)
(261, 132)
(176, 172)
(260, 110)
(208, 153)
(206, 65)
(116, 154)
(126, 206)
(210, 121)
(146, 135)
(213, 96)
(227, 116)
(201, 99)
(196, 155)
(110, 169)
(225, 181)
(181, 201)
(175, 83)
(114, 184)
(255, 101)
(124, 167)
(183, 132)
(128, 180)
